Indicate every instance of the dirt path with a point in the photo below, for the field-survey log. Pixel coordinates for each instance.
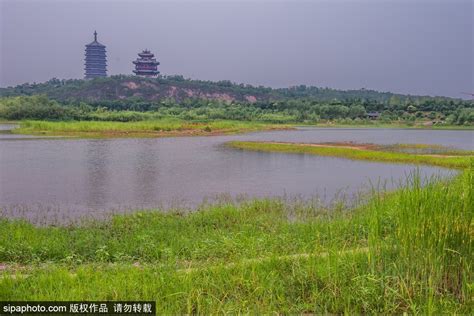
(246, 262)
(16, 271)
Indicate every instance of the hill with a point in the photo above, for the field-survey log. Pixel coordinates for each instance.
(179, 89)
(115, 98)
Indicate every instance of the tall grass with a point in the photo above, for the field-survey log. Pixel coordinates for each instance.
(423, 234)
(406, 251)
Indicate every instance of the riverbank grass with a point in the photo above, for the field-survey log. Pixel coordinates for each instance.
(173, 126)
(457, 159)
(410, 251)
(390, 124)
(153, 128)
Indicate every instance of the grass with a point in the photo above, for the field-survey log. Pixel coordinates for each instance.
(153, 128)
(392, 124)
(393, 154)
(405, 251)
(172, 126)
(425, 149)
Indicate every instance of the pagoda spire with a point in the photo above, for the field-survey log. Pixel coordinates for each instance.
(95, 36)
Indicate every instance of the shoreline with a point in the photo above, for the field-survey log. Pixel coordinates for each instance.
(140, 129)
(306, 258)
(457, 159)
(100, 129)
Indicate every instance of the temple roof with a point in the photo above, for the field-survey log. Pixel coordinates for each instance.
(146, 71)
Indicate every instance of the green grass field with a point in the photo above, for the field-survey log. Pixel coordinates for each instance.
(172, 126)
(405, 251)
(153, 128)
(393, 154)
(389, 124)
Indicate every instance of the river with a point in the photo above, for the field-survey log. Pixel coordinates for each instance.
(43, 178)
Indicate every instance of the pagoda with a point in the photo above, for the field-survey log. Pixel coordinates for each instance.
(146, 65)
(96, 63)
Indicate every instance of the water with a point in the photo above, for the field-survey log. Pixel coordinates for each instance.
(75, 177)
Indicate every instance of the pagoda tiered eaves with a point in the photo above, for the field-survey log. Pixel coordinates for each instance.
(146, 65)
(95, 59)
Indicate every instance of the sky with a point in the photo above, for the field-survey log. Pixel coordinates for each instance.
(423, 47)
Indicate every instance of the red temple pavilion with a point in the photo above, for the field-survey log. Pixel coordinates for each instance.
(146, 65)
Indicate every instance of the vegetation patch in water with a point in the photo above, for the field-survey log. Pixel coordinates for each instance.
(152, 128)
(450, 159)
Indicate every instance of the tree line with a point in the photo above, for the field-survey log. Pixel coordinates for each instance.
(295, 110)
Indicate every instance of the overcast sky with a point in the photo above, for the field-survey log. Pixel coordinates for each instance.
(406, 46)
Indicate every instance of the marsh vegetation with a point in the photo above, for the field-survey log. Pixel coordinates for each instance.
(151, 128)
(399, 153)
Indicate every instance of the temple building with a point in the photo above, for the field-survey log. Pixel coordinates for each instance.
(96, 62)
(146, 65)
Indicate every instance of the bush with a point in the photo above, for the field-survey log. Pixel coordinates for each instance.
(34, 107)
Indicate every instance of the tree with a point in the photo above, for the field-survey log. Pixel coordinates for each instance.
(357, 111)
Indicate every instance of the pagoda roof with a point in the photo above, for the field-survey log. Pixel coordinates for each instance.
(95, 42)
(149, 61)
(146, 53)
(145, 71)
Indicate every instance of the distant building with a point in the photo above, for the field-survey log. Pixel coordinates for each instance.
(96, 62)
(146, 65)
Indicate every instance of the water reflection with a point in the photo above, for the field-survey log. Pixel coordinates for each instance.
(146, 173)
(97, 164)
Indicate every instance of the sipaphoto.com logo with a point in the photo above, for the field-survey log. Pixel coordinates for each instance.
(78, 308)
(33, 308)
